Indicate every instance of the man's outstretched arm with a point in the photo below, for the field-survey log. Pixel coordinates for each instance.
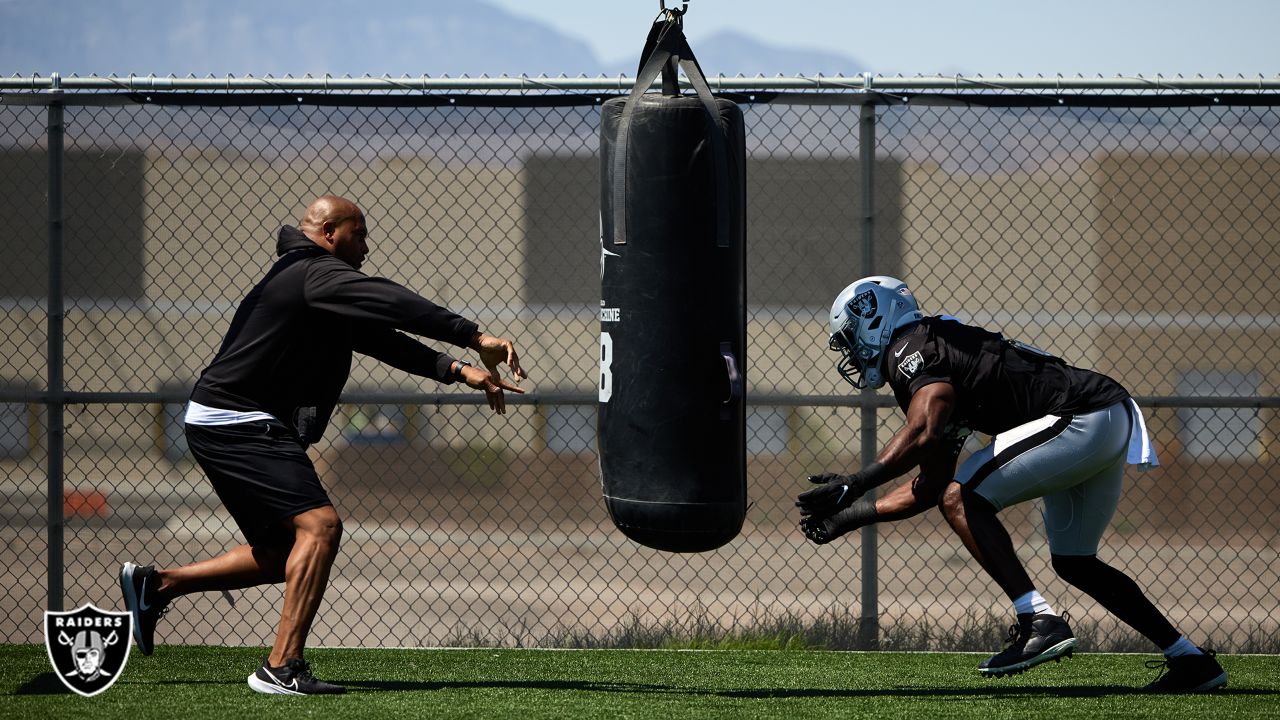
(403, 352)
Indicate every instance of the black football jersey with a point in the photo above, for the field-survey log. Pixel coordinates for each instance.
(999, 384)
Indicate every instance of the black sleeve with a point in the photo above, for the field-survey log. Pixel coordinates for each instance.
(333, 286)
(914, 362)
(403, 352)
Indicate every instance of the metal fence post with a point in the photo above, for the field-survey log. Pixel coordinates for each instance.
(869, 625)
(55, 396)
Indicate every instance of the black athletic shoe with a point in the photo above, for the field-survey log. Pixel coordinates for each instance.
(294, 678)
(138, 584)
(1188, 673)
(1035, 639)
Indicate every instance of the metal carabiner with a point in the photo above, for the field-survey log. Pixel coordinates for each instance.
(663, 9)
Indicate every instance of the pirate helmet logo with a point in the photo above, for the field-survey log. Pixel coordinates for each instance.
(864, 304)
(88, 647)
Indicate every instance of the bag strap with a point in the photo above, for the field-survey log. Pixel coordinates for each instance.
(666, 50)
(670, 79)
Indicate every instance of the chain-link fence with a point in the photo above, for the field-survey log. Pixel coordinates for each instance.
(1137, 233)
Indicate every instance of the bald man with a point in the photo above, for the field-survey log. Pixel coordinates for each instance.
(268, 395)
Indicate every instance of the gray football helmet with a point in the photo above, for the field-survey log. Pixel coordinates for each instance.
(863, 319)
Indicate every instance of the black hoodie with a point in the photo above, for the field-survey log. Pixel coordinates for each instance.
(288, 351)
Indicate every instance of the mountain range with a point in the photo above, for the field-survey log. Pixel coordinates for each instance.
(388, 37)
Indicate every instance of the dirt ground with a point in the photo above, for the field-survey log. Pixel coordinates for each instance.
(530, 558)
(447, 584)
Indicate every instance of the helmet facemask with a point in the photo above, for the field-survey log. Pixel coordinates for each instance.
(853, 362)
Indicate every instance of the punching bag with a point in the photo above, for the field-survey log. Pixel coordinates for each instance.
(673, 306)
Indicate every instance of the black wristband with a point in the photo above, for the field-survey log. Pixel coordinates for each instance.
(870, 477)
(862, 511)
(457, 372)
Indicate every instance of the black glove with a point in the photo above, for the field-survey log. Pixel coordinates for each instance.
(835, 493)
(823, 530)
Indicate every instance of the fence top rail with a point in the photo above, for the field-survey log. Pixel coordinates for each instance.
(862, 83)
(180, 395)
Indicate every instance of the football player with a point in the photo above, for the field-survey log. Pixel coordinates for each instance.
(1058, 432)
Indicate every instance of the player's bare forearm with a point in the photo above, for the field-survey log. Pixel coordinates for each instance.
(903, 452)
(918, 441)
(907, 500)
(937, 468)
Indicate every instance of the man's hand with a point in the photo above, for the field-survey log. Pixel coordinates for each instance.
(492, 384)
(834, 493)
(494, 351)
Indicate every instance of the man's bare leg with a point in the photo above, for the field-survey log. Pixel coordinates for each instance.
(147, 591)
(306, 574)
(974, 521)
(1040, 636)
(240, 567)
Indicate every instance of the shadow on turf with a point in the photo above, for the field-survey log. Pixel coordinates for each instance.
(405, 685)
(1031, 691)
(46, 683)
(423, 685)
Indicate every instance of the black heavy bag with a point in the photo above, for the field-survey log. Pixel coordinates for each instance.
(673, 307)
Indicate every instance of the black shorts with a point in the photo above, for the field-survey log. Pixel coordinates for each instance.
(261, 474)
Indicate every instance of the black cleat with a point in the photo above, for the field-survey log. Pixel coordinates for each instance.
(1033, 640)
(294, 678)
(1188, 674)
(138, 584)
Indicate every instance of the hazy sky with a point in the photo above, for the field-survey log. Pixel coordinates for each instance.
(1090, 37)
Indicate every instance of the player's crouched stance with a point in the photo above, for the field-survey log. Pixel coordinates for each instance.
(1058, 432)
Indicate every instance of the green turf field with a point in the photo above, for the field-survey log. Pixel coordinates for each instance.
(184, 683)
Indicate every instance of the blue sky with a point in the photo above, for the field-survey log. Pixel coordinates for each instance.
(1089, 37)
(593, 37)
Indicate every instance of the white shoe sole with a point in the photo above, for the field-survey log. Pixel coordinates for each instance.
(1057, 652)
(267, 688)
(131, 604)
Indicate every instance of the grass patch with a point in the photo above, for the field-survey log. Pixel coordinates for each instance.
(840, 629)
(209, 682)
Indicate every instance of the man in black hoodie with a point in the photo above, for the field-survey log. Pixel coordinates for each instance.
(269, 393)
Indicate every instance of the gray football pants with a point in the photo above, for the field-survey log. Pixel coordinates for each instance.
(1075, 463)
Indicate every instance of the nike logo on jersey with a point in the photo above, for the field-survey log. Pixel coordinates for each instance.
(900, 350)
(844, 490)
